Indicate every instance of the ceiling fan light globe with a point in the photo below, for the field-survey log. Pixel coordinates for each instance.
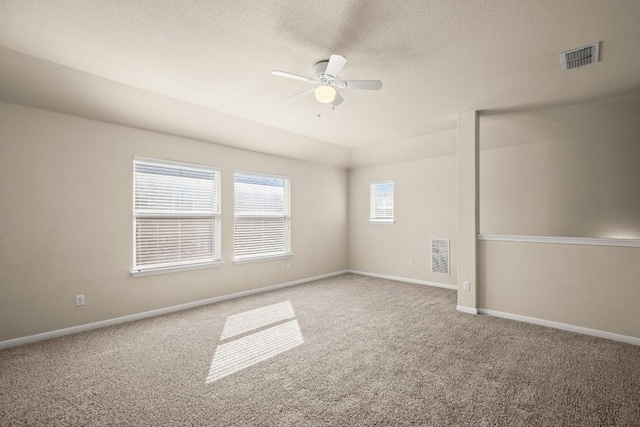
(325, 94)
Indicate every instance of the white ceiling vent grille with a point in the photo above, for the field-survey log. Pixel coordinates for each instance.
(580, 57)
(440, 256)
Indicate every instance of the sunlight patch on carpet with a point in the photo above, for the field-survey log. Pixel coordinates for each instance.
(236, 355)
(254, 319)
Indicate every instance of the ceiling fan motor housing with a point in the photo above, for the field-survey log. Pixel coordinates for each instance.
(320, 69)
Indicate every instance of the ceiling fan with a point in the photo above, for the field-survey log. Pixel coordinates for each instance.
(326, 73)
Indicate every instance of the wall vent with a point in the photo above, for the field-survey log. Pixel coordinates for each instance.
(440, 256)
(579, 57)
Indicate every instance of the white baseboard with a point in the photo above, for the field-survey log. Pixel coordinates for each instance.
(468, 310)
(404, 279)
(158, 312)
(563, 326)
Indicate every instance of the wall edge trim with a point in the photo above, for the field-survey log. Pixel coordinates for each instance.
(635, 243)
(562, 326)
(14, 342)
(404, 279)
(467, 310)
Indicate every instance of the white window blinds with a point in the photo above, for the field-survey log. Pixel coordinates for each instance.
(262, 216)
(177, 214)
(381, 202)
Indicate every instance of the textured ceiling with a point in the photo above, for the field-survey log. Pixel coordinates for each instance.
(436, 59)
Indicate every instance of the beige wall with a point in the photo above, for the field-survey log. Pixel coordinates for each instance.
(594, 287)
(586, 187)
(467, 210)
(569, 172)
(424, 209)
(66, 222)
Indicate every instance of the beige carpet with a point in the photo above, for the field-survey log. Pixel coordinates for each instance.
(349, 350)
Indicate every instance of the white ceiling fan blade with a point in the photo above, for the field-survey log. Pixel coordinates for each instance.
(359, 84)
(336, 62)
(292, 76)
(303, 93)
(337, 101)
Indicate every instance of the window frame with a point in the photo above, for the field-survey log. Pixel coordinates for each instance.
(373, 208)
(285, 215)
(215, 214)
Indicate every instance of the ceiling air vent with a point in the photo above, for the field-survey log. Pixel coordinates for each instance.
(440, 256)
(580, 57)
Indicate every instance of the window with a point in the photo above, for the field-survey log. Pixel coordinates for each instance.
(262, 216)
(177, 216)
(381, 202)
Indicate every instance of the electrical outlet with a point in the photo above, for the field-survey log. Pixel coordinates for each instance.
(466, 286)
(288, 267)
(410, 264)
(79, 300)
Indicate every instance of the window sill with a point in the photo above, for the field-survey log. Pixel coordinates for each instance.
(261, 258)
(382, 221)
(153, 271)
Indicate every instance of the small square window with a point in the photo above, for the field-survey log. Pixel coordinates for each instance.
(381, 202)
